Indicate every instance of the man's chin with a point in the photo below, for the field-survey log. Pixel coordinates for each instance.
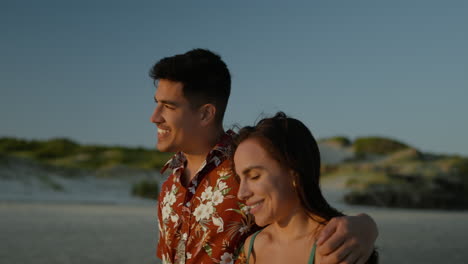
(161, 148)
(164, 148)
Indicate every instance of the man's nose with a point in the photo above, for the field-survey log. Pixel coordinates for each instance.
(156, 117)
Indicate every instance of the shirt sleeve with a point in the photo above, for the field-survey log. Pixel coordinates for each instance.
(161, 239)
(240, 257)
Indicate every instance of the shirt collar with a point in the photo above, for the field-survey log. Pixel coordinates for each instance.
(220, 152)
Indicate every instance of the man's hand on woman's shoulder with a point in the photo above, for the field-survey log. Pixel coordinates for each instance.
(347, 240)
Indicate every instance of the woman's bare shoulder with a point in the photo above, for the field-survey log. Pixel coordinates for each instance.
(261, 237)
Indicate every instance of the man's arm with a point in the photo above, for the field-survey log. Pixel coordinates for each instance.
(347, 240)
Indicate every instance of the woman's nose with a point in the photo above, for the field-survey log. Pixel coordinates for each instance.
(244, 192)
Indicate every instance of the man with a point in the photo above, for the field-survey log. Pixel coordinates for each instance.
(200, 218)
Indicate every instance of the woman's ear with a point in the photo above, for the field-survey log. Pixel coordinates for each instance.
(207, 114)
(294, 176)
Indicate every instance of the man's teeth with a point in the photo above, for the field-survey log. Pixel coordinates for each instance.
(162, 131)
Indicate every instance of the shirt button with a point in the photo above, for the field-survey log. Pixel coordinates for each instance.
(187, 204)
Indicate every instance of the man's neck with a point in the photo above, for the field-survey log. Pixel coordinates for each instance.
(195, 159)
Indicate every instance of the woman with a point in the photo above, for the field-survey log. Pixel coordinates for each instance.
(278, 164)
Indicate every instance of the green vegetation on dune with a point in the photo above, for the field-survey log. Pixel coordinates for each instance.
(67, 158)
(66, 153)
(8, 145)
(55, 148)
(377, 145)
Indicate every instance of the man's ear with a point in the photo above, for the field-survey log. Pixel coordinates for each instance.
(207, 114)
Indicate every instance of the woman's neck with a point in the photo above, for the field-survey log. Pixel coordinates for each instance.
(296, 226)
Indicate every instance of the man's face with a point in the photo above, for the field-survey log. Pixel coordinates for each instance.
(175, 118)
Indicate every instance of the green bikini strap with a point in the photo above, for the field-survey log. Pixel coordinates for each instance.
(312, 255)
(251, 245)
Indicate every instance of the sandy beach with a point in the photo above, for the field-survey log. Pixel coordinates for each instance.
(97, 221)
(77, 233)
(99, 231)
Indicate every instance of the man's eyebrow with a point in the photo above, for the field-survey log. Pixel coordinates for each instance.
(166, 102)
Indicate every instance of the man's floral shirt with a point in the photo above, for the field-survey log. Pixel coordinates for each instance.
(203, 222)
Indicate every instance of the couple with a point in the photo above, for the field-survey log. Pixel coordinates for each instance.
(271, 201)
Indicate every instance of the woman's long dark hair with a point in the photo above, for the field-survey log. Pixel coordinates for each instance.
(291, 143)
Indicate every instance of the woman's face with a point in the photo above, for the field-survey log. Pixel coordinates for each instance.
(265, 185)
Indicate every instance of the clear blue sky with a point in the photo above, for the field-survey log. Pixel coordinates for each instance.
(79, 69)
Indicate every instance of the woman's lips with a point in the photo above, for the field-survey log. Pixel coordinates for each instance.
(255, 207)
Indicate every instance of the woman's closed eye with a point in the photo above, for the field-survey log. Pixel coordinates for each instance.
(254, 176)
